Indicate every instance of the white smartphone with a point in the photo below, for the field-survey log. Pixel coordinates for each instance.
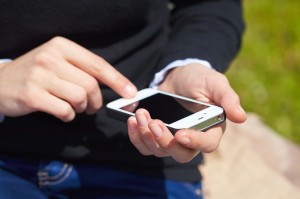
(177, 112)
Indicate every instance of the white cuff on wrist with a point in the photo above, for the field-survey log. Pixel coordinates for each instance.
(160, 76)
(5, 60)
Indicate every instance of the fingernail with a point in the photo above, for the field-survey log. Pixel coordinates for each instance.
(156, 130)
(130, 90)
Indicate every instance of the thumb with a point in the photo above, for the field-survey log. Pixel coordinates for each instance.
(233, 109)
(225, 96)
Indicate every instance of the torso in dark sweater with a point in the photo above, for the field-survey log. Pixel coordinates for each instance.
(129, 34)
(136, 38)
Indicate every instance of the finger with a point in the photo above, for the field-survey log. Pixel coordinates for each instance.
(95, 66)
(68, 72)
(135, 137)
(69, 92)
(225, 96)
(166, 141)
(95, 100)
(143, 118)
(46, 102)
(204, 141)
(231, 104)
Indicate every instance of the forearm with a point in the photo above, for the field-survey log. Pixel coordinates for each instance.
(207, 30)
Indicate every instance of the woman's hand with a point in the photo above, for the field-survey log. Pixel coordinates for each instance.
(152, 137)
(60, 78)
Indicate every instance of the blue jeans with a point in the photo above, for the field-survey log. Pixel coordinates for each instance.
(55, 179)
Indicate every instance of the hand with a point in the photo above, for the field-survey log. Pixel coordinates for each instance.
(60, 78)
(152, 137)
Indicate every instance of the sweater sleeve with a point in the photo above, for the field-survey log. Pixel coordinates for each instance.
(205, 29)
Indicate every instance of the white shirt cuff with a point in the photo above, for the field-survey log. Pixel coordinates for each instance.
(160, 76)
(5, 60)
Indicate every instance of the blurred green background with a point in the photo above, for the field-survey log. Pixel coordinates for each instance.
(266, 73)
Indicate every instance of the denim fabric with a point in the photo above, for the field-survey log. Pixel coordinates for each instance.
(55, 179)
(1, 118)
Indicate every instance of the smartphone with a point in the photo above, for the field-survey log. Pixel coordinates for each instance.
(177, 112)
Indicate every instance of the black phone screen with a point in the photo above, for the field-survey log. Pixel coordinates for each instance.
(166, 108)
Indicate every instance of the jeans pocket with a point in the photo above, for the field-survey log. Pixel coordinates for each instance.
(57, 176)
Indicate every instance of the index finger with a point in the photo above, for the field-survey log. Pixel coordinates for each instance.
(95, 66)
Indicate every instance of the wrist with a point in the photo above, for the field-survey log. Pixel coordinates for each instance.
(166, 84)
(3, 62)
(160, 76)
(178, 78)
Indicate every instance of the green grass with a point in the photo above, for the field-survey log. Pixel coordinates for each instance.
(266, 73)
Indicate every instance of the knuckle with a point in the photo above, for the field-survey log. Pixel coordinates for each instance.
(55, 44)
(79, 97)
(57, 41)
(42, 58)
(66, 113)
(91, 86)
(28, 96)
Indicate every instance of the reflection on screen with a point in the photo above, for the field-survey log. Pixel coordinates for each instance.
(164, 107)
